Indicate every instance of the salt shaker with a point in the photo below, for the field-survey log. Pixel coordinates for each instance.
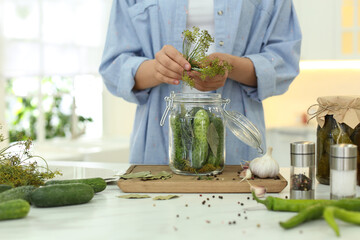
(302, 171)
(343, 160)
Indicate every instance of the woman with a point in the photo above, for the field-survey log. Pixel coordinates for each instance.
(142, 62)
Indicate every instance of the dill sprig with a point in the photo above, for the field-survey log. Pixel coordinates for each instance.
(195, 45)
(18, 166)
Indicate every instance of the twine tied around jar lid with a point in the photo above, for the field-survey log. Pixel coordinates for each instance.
(345, 109)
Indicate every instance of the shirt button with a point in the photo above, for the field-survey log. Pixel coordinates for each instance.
(221, 43)
(220, 12)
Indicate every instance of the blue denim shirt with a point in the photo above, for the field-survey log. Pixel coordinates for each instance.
(266, 32)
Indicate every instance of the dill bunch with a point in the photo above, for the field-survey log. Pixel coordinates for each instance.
(19, 168)
(195, 45)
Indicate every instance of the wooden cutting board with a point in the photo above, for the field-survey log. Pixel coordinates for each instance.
(228, 182)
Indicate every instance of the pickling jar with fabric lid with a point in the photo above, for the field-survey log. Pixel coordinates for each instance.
(338, 120)
(197, 132)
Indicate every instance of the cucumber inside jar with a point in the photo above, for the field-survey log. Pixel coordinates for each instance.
(198, 141)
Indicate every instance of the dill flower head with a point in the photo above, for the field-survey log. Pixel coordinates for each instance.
(195, 45)
(18, 167)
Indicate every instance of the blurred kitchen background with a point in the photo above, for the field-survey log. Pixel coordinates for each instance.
(50, 88)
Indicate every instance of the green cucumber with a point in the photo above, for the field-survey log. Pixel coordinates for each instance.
(4, 187)
(98, 184)
(14, 209)
(62, 195)
(200, 145)
(22, 192)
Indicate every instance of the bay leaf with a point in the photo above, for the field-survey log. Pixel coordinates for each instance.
(160, 175)
(212, 138)
(167, 197)
(135, 175)
(134, 196)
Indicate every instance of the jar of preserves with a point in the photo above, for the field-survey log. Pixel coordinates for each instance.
(197, 124)
(338, 120)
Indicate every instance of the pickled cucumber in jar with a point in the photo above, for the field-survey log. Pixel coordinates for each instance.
(331, 133)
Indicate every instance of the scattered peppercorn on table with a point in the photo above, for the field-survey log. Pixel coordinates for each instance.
(192, 215)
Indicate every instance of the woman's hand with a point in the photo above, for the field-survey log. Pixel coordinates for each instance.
(167, 67)
(243, 71)
(210, 84)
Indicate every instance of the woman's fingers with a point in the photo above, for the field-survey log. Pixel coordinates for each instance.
(177, 57)
(208, 84)
(170, 62)
(166, 79)
(169, 65)
(167, 72)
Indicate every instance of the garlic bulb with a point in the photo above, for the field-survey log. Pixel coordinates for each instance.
(265, 166)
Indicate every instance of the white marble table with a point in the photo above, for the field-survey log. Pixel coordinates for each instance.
(108, 217)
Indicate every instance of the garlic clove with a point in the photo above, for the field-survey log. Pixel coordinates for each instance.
(258, 190)
(245, 174)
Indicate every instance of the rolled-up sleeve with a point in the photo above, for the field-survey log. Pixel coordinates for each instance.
(122, 56)
(277, 64)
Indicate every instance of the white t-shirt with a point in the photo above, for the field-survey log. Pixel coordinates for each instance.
(200, 14)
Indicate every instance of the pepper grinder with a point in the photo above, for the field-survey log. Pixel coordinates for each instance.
(302, 171)
(343, 160)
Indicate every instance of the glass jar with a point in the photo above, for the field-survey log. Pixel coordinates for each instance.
(197, 132)
(333, 133)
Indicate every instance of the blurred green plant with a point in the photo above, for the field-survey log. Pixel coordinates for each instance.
(58, 122)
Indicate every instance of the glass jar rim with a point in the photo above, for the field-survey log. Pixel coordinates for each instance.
(198, 98)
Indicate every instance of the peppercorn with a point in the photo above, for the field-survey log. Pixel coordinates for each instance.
(301, 182)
